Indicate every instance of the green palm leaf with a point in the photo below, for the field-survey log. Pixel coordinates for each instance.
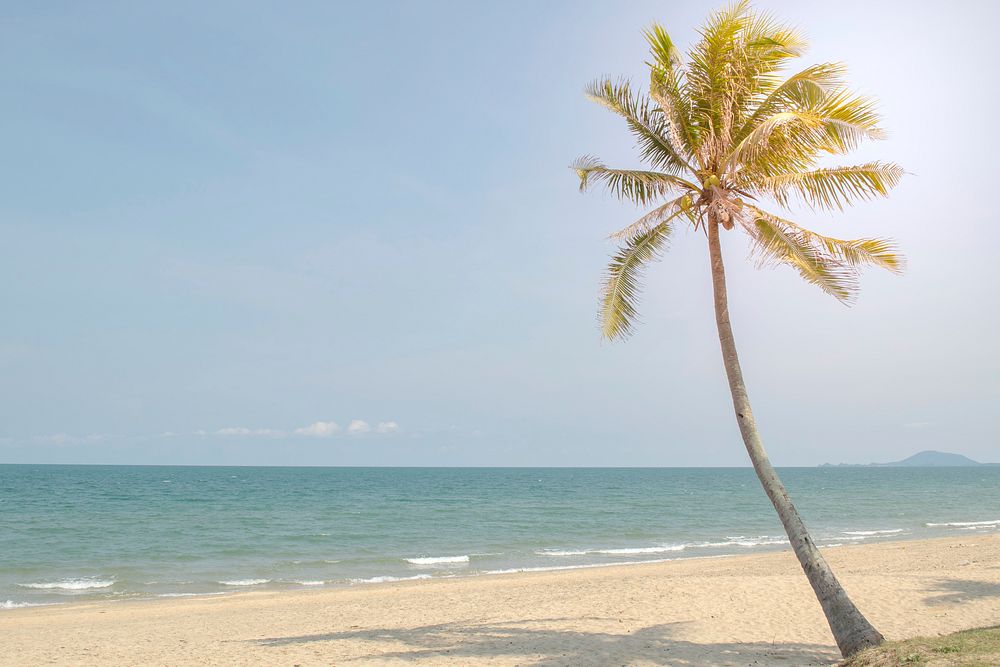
(802, 90)
(650, 129)
(734, 64)
(777, 243)
(856, 253)
(665, 213)
(848, 119)
(831, 263)
(793, 139)
(832, 188)
(666, 87)
(620, 292)
(639, 187)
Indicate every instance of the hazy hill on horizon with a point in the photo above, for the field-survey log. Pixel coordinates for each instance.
(926, 459)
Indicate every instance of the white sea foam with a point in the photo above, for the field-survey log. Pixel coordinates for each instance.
(386, 579)
(10, 604)
(245, 582)
(438, 560)
(737, 541)
(962, 524)
(625, 563)
(555, 568)
(740, 541)
(309, 583)
(759, 541)
(635, 551)
(71, 584)
(869, 533)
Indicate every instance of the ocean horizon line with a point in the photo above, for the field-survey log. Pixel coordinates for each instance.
(448, 467)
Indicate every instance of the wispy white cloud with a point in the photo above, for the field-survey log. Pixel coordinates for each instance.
(62, 438)
(245, 432)
(357, 427)
(55, 438)
(318, 429)
(387, 427)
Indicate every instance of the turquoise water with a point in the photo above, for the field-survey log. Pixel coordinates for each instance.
(70, 533)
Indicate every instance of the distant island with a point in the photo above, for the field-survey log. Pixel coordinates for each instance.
(925, 459)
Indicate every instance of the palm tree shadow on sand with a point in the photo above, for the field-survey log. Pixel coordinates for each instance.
(530, 642)
(957, 591)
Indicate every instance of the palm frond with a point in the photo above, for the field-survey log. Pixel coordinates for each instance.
(831, 263)
(710, 69)
(666, 88)
(665, 53)
(684, 135)
(860, 252)
(665, 213)
(774, 242)
(651, 130)
(639, 187)
(733, 66)
(848, 119)
(792, 140)
(767, 46)
(856, 253)
(774, 139)
(620, 292)
(834, 187)
(803, 90)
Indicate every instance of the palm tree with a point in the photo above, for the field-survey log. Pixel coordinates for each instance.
(723, 131)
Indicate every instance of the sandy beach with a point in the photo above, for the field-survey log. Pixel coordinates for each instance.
(738, 610)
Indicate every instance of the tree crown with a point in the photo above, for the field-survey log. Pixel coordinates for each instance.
(723, 130)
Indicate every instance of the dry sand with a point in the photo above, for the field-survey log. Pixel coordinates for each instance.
(740, 610)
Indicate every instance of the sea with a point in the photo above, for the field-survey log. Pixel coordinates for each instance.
(79, 533)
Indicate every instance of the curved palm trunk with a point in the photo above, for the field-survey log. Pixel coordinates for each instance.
(850, 628)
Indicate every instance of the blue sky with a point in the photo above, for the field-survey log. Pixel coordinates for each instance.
(229, 232)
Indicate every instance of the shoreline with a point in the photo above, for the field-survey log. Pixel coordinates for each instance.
(431, 571)
(295, 587)
(713, 610)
